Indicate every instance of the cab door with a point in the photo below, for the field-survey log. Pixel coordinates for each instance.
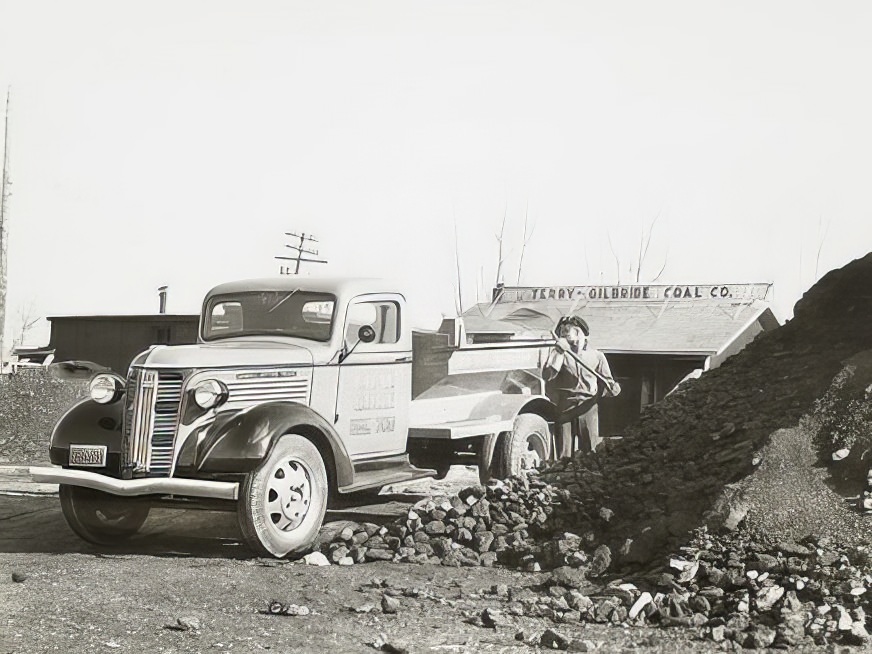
(375, 379)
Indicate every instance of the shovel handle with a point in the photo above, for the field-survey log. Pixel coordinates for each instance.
(583, 364)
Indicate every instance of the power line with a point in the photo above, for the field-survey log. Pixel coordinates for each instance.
(300, 250)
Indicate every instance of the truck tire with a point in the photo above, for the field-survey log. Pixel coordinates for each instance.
(524, 448)
(282, 503)
(101, 518)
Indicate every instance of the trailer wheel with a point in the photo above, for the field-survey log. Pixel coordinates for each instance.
(524, 448)
(101, 518)
(282, 503)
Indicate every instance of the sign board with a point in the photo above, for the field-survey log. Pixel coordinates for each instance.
(640, 293)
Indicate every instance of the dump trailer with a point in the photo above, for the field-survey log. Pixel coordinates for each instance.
(297, 391)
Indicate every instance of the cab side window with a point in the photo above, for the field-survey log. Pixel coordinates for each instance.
(382, 316)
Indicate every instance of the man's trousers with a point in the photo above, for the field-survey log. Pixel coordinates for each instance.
(577, 429)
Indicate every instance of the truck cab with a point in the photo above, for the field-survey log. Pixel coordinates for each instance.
(297, 390)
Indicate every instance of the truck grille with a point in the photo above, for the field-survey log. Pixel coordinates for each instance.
(151, 418)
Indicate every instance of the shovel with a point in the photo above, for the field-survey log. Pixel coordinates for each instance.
(583, 364)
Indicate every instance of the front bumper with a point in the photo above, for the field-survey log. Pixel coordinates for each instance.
(218, 490)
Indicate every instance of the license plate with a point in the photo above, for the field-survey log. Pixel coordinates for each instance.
(88, 455)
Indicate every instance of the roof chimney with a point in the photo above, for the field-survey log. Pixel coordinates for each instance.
(162, 293)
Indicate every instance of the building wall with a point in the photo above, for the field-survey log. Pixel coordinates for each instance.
(114, 341)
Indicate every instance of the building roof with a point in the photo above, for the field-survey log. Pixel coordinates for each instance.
(150, 317)
(657, 325)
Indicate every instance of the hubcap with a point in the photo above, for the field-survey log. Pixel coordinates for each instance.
(288, 495)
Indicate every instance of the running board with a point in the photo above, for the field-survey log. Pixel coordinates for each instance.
(374, 473)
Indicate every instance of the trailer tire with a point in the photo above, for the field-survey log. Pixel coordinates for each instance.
(282, 503)
(522, 449)
(101, 518)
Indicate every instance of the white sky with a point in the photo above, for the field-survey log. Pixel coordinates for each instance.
(175, 142)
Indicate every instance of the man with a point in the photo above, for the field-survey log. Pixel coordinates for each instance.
(575, 388)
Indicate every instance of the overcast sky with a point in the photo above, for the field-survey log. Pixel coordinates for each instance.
(176, 142)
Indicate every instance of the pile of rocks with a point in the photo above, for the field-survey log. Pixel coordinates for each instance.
(738, 588)
(510, 522)
(673, 470)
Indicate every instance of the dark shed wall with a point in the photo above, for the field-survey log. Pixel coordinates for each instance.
(644, 378)
(114, 341)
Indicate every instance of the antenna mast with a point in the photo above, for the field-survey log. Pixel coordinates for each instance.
(304, 238)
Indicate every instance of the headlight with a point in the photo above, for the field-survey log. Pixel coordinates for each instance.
(105, 388)
(209, 393)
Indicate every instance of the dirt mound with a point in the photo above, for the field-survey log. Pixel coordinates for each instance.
(31, 402)
(683, 462)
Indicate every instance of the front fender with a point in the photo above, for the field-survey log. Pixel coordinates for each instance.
(241, 443)
(89, 423)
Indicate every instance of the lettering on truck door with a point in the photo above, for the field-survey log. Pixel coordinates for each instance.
(375, 381)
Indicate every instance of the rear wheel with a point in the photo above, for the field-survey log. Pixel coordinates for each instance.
(101, 518)
(522, 449)
(282, 503)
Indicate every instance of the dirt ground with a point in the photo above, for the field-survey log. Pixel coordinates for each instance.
(193, 566)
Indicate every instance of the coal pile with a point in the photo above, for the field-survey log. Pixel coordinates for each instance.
(513, 523)
(735, 588)
(691, 457)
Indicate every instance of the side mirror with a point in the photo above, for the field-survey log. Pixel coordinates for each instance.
(366, 334)
(75, 370)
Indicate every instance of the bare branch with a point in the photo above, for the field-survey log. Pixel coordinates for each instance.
(614, 254)
(459, 301)
(499, 238)
(527, 238)
(665, 261)
(650, 234)
(639, 269)
(644, 244)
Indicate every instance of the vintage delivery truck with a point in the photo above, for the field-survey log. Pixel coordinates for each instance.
(298, 391)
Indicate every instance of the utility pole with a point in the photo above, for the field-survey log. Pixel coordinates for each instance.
(4, 229)
(301, 250)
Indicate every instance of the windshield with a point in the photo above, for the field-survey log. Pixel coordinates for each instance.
(300, 314)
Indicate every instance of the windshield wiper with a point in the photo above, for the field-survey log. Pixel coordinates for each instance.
(282, 301)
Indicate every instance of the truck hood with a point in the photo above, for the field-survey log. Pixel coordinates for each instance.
(226, 355)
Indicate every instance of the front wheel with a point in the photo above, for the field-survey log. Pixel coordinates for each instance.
(282, 503)
(101, 518)
(522, 449)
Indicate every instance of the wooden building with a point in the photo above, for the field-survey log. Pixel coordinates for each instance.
(113, 341)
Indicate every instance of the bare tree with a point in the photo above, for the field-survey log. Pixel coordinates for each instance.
(527, 237)
(614, 254)
(458, 299)
(499, 237)
(637, 265)
(26, 321)
(644, 243)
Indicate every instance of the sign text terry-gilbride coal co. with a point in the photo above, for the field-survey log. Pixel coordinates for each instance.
(639, 293)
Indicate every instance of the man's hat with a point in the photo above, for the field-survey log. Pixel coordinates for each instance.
(577, 321)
